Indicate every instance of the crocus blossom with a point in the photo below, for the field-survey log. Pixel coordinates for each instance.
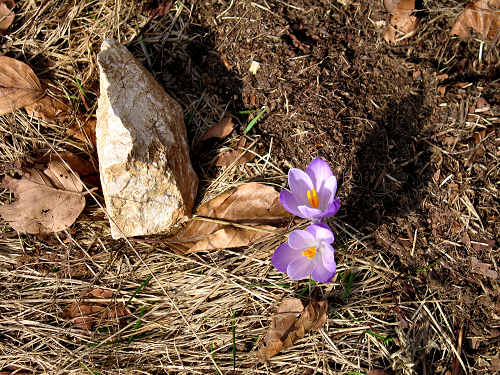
(312, 193)
(307, 253)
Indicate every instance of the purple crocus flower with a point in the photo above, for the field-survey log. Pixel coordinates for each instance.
(307, 252)
(312, 193)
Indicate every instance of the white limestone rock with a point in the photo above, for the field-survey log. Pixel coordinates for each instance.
(148, 181)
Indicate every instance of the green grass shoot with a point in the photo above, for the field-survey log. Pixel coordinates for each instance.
(84, 366)
(141, 287)
(137, 323)
(385, 340)
(348, 280)
(305, 290)
(246, 112)
(254, 121)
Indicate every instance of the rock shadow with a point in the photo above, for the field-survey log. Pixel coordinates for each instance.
(391, 167)
(194, 73)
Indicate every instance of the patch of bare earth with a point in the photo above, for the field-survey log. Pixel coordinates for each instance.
(405, 127)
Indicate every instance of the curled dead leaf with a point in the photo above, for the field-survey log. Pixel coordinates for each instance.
(47, 202)
(6, 14)
(483, 268)
(83, 168)
(291, 322)
(239, 156)
(482, 16)
(158, 8)
(49, 110)
(403, 21)
(228, 237)
(85, 315)
(220, 130)
(250, 204)
(19, 86)
(377, 372)
(442, 90)
(84, 132)
(482, 105)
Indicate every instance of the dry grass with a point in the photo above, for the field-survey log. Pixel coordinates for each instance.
(184, 319)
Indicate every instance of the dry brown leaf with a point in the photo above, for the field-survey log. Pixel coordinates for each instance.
(483, 268)
(495, 364)
(49, 110)
(83, 168)
(47, 202)
(402, 20)
(6, 14)
(228, 237)
(482, 105)
(291, 322)
(442, 77)
(441, 90)
(85, 314)
(19, 86)
(220, 130)
(238, 156)
(158, 8)
(377, 372)
(85, 132)
(250, 204)
(483, 16)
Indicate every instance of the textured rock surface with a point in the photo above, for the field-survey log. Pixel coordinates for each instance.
(147, 178)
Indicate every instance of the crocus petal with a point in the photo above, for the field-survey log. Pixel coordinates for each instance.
(326, 194)
(301, 239)
(289, 202)
(332, 210)
(319, 171)
(309, 212)
(283, 256)
(321, 233)
(322, 274)
(328, 257)
(299, 183)
(300, 268)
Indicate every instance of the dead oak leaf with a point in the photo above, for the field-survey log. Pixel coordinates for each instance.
(47, 202)
(483, 16)
(49, 110)
(84, 132)
(158, 8)
(83, 168)
(85, 315)
(483, 268)
(237, 157)
(291, 322)
(228, 237)
(19, 86)
(251, 204)
(403, 21)
(6, 14)
(220, 130)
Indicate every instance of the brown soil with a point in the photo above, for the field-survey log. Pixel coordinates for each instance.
(333, 89)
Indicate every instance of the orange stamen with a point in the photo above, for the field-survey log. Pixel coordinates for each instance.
(310, 253)
(312, 197)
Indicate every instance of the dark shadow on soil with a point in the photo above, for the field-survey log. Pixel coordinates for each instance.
(391, 167)
(193, 72)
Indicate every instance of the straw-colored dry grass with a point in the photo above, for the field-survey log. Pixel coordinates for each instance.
(184, 319)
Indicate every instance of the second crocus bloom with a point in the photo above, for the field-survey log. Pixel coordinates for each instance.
(312, 193)
(307, 253)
